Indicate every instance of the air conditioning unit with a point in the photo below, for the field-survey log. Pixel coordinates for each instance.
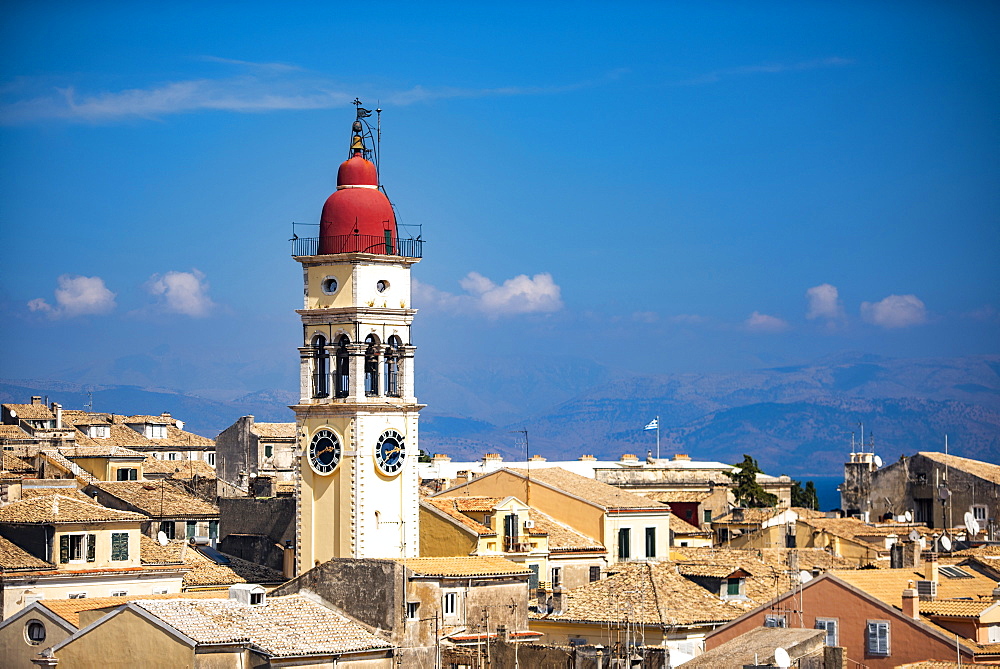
(529, 524)
(926, 589)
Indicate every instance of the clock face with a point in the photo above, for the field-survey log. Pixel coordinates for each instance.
(389, 453)
(324, 452)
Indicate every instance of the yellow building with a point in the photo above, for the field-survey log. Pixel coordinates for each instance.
(556, 554)
(356, 419)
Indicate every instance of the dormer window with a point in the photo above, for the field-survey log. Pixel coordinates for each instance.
(156, 431)
(98, 431)
(732, 588)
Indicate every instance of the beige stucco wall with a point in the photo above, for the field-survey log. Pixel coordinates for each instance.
(126, 640)
(17, 590)
(441, 538)
(637, 524)
(102, 552)
(15, 650)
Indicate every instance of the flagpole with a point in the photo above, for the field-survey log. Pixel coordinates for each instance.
(657, 437)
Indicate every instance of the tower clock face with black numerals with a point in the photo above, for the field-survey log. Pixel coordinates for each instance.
(324, 452)
(389, 453)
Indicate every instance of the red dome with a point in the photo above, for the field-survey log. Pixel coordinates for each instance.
(357, 172)
(358, 216)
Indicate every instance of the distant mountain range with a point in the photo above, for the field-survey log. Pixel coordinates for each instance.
(794, 420)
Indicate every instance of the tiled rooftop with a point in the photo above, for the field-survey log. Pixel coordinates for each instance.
(158, 499)
(203, 572)
(669, 496)
(178, 469)
(183, 439)
(486, 565)
(645, 593)
(32, 493)
(31, 411)
(888, 584)
(13, 432)
(754, 516)
(680, 526)
(955, 608)
(274, 430)
(14, 557)
(14, 464)
(562, 537)
(588, 489)
(285, 626)
(450, 507)
(984, 470)
(98, 448)
(754, 647)
(70, 609)
(55, 509)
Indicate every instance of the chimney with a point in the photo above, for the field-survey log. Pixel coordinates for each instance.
(911, 602)
(629, 457)
(931, 570)
(57, 410)
(587, 458)
(440, 457)
(996, 593)
(492, 457)
(288, 560)
(36, 399)
(680, 457)
(537, 458)
(911, 554)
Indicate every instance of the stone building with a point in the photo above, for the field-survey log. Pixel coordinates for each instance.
(934, 488)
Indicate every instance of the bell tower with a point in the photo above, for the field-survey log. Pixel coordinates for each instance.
(356, 418)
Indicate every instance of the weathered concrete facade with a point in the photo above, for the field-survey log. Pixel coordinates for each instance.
(935, 488)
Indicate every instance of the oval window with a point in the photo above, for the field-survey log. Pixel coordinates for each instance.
(381, 285)
(330, 285)
(34, 631)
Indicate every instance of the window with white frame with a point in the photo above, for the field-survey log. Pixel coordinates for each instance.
(994, 633)
(119, 593)
(77, 595)
(156, 432)
(411, 610)
(173, 456)
(979, 512)
(877, 636)
(34, 632)
(99, 431)
(160, 590)
(449, 603)
(210, 458)
(830, 625)
(77, 548)
(774, 620)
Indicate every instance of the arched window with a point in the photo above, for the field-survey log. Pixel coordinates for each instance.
(371, 366)
(393, 353)
(343, 367)
(321, 367)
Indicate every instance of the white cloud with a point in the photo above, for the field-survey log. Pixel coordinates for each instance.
(824, 302)
(768, 68)
(758, 322)
(895, 311)
(258, 87)
(519, 295)
(77, 296)
(182, 292)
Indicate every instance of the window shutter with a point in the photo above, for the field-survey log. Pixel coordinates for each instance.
(91, 547)
(119, 546)
(64, 548)
(878, 638)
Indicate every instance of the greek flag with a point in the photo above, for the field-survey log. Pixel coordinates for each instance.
(653, 424)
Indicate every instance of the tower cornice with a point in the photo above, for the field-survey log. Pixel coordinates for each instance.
(356, 259)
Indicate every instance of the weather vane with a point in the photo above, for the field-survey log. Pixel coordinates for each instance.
(362, 112)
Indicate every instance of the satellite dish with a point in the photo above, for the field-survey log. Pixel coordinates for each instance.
(13, 414)
(161, 536)
(946, 543)
(878, 461)
(914, 536)
(944, 493)
(805, 576)
(971, 524)
(781, 658)
(908, 516)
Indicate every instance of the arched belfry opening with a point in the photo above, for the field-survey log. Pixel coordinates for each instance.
(343, 376)
(393, 357)
(371, 365)
(321, 367)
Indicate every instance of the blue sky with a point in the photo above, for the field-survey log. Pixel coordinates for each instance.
(659, 186)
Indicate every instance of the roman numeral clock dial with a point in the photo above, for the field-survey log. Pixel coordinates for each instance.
(389, 453)
(324, 452)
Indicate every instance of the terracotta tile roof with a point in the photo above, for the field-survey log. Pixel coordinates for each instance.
(58, 459)
(449, 507)
(755, 516)
(955, 608)
(888, 584)
(668, 496)
(680, 526)
(32, 493)
(647, 594)
(55, 509)
(477, 503)
(31, 411)
(178, 469)
(562, 537)
(756, 647)
(204, 573)
(158, 499)
(13, 432)
(601, 494)
(15, 465)
(849, 528)
(183, 439)
(486, 565)
(77, 417)
(70, 609)
(807, 558)
(151, 552)
(140, 419)
(984, 470)
(285, 626)
(13, 556)
(763, 582)
(707, 569)
(274, 430)
(98, 448)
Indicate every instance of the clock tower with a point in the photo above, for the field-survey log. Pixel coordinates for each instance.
(357, 414)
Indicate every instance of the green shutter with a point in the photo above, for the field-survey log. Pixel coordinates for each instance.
(119, 546)
(64, 548)
(192, 527)
(91, 547)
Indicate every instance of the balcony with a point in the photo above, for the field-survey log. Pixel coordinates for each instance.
(376, 244)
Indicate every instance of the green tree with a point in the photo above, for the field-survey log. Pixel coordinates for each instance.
(746, 489)
(805, 498)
